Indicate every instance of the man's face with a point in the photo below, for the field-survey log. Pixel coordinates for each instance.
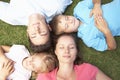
(38, 29)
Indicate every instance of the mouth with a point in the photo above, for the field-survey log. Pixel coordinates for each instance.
(66, 56)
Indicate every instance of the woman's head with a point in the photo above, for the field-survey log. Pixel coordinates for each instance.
(40, 62)
(66, 48)
(64, 24)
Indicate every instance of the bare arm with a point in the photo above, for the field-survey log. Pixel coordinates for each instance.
(101, 24)
(3, 58)
(96, 9)
(101, 76)
(5, 48)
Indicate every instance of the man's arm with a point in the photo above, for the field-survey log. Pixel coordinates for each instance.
(96, 9)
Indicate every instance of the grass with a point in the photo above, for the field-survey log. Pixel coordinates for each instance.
(108, 61)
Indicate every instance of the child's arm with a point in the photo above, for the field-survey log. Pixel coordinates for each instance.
(101, 24)
(96, 9)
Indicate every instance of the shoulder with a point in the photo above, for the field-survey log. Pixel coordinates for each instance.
(86, 67)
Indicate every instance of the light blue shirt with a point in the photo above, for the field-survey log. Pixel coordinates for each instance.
(88, 32)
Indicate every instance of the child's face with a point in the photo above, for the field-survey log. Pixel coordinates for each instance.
(33, 63)
(68, 24)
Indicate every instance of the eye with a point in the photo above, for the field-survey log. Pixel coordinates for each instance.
(72, 47)
(33, 35)
(61, 47)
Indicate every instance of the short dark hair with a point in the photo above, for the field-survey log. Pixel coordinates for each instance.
(54, 25)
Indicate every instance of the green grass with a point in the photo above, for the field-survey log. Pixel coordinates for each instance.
(108, 61)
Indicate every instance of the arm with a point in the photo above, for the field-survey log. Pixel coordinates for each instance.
(100, 75)
(6, 48)
(6, 70)
(96, 9)
(3, 58)
(101, 24)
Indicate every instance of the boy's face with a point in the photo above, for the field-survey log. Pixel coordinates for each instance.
(33, 63)
(68, 24)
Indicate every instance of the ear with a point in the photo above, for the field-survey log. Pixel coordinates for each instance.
(55, 52)
(49, 27)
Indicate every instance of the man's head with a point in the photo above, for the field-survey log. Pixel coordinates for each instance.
(38, 30)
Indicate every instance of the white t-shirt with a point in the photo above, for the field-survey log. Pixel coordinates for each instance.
(17, 53)
(17, 11)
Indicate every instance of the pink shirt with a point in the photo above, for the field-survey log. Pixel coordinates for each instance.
(84, 71)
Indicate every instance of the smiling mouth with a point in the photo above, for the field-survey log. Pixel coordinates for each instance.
(66, 56)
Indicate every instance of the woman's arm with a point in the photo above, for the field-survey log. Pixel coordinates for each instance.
(5, 48)
(101, 24)
(96, 9)
(3, 58)
(101, 76)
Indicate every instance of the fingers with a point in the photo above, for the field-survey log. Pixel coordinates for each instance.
(9, 66)
(91, 13)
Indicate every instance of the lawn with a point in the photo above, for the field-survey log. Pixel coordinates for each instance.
(108, 61)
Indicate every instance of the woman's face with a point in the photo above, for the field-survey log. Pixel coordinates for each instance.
(38, 30)
(68, 24)
(66, 50)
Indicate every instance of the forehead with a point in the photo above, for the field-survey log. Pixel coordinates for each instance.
(66, 39)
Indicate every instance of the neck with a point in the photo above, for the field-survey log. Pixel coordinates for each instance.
(66, 68)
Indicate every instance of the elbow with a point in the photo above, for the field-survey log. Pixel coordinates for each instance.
(112, 47)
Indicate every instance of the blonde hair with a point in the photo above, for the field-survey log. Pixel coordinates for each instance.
(48, 62)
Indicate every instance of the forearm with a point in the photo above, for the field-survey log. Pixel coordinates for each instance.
(5, 48)
(110, 40)
(1, 51)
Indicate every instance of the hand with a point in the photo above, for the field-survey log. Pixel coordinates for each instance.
(101, 24)
(96, 11)
(6, 70)
(4, 59)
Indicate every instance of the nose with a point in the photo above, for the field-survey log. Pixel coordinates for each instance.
(70, 20)
(67, 50)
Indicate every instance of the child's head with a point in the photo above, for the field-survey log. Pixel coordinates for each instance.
(40, 62)
(64, 24)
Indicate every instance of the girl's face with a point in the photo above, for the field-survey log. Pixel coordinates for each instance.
(33, 63)
(68, 24)
(66, 50)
